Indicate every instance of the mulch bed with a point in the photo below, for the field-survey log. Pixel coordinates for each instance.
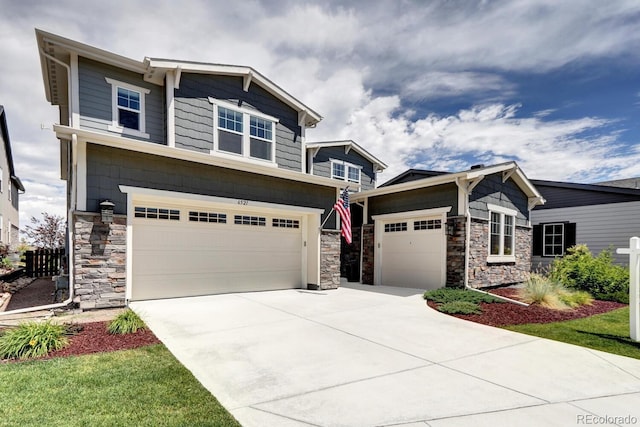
(94, 338)
(513, 314)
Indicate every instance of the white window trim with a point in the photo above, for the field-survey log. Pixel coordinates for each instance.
(544, 235)
(346, 165)
(502, 211)
(246, 133)
(114, 126)
(1, 180)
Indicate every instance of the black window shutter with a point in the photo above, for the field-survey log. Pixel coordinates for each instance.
(569, 235)
(537, 240)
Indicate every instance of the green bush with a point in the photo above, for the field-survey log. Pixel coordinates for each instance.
(598, 276)
(445, 295)
(32, 339)
(460, 307)
(575, 299)
(126, 322)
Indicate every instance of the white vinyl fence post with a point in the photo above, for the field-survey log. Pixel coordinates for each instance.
(634, 286)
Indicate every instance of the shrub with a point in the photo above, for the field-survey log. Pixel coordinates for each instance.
(32, 339)
(598, 276)
(460, 307)
(126, 322)
(551, 294)
(445, 295)
(543, 291)
(6, 263)
(575, 299)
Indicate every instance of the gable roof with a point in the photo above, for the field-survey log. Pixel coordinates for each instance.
(509, 170)
(412, 175)
(7, 149)
(55, 52)
(348, 145)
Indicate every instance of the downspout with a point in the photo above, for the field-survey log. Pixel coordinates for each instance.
(72, 163)
(467, 246)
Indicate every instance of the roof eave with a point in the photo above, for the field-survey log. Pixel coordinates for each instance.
(380, 165)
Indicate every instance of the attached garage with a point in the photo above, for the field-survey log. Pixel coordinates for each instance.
(205, 245)
(411, 249)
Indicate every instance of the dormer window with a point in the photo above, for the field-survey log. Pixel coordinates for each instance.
(243, 132)
(127, 108)
(345, 171)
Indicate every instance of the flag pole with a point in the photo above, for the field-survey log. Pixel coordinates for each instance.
(332, 211)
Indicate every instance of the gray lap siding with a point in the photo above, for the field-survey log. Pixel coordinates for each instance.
(194, 115)
(108, 168)
(322, 165)
(418, 199)
(508, 195)
(96, 104)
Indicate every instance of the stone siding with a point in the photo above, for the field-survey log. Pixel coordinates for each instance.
(99, 258)
(483, 274)
(368, 248)
(329, 259)
(455, 252)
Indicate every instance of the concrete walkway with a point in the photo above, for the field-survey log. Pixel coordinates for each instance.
(377, 356)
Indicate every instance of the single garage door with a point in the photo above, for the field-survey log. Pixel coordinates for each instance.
(185, 251)
(411, 252)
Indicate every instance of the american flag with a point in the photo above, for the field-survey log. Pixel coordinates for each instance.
(342, 207)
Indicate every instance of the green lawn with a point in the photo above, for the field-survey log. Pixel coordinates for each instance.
(607, 332)
(141, 387)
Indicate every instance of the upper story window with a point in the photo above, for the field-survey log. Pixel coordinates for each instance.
(502, 231)
(345, 171)
(127, 105)
(243, 132)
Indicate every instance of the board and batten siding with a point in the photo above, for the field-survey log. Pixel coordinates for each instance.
(96, 104)
(194, 115)
(508, 195)
(322, 164)
(598, 226)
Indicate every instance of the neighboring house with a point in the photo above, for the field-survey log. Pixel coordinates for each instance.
(344, 160)
(206, 166)
(428, 229)
(600, 216)
(10, 188)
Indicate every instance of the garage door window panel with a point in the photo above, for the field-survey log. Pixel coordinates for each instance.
(157, 213)
(209, 217)
(285, 223)
(259, 221)
(430, 224)
(395, 227)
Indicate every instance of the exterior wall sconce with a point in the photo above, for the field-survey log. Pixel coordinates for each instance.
(451, 229)
(106, 209)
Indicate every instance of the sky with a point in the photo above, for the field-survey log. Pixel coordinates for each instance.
(439, 85)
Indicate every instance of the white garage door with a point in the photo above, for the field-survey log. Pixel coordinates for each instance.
(184, 251)
(411, 252)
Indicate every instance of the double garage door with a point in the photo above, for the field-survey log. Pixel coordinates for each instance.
(181, 250)
(411, 251)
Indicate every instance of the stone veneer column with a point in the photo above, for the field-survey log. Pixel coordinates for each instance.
(483, 274)
(455, 252)
(368, 248)
(99, 258)
(329, 259)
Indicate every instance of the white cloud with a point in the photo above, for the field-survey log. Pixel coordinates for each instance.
(357, 64)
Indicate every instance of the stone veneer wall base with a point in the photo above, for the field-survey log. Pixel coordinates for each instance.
(329, 259)
(99, 258)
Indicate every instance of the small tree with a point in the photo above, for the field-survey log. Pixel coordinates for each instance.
(48, 233)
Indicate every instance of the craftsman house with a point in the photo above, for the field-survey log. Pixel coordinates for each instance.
(189, 178)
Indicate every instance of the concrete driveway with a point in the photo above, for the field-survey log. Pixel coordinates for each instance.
(377, 356)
